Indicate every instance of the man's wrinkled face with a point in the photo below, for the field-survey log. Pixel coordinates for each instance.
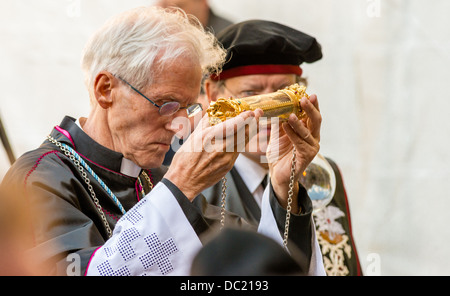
(140, 132)
(250, 85)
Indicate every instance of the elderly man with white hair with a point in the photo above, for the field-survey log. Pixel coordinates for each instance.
(96, 191)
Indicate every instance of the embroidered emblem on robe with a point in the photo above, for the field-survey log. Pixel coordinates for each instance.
(333, 240)
(134, 216)
(159, 253)
(105, 269)
(124, 244)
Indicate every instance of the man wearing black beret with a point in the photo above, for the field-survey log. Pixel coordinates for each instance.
(263, 57)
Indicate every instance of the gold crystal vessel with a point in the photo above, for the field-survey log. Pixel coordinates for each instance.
(277, 104)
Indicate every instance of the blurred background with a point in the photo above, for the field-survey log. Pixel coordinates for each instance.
(382, 86)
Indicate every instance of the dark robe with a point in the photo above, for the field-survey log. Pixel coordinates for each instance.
(342, 243)
(217, 23)
(63, 217)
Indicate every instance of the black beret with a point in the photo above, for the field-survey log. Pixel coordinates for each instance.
(260, 42)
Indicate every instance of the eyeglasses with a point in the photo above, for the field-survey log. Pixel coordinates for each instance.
(169, 108)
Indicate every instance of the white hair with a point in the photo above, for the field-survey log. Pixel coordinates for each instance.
(138, 43)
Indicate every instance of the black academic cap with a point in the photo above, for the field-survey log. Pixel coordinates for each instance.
(238, 252)
(265, 47)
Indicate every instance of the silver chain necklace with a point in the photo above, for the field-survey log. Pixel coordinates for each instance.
(290, 195)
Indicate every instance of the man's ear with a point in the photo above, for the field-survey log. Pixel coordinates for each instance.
(211, 90)
(103, 86)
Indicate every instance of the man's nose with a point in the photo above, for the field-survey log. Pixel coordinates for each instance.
(179, 125)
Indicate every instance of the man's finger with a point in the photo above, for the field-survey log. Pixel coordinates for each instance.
(231, 126)
(298, 132)
(314, 117)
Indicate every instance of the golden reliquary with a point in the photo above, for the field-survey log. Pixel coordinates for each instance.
(277, 104)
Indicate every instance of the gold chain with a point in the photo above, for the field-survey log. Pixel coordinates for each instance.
(147, 178)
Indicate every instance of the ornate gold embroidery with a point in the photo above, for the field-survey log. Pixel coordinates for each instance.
(333, 241)
(333, 254)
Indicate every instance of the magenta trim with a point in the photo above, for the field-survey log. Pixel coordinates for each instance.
(90, 259)
(136, 187)
(110, 214)
(38, 161)
(65, 133)
(150, 175)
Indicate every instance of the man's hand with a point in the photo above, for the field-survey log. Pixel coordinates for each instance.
(210, 152)
(304, 135)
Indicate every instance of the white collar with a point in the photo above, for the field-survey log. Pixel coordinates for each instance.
(77, 122)
(127, 167)
(252, 173)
